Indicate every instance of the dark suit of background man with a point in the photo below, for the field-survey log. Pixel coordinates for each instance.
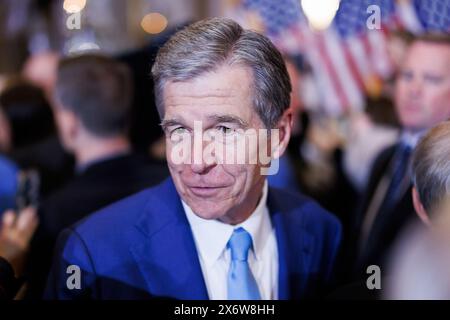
(93, 102)
(422, 99)
(215, 229)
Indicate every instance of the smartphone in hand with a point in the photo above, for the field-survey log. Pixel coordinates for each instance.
(28, 189)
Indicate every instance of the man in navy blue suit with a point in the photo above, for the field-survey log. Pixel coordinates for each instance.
(215, 230)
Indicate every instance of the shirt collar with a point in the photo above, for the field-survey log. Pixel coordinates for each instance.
(411, 139)
(211, 236)
(82, 168)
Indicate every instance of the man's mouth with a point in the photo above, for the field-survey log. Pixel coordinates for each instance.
(412, 107)
(205, 191)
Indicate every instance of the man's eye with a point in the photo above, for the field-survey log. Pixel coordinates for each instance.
(433, 79)
(225, 130)
(177, 134)
(179, 130)
(406, 75)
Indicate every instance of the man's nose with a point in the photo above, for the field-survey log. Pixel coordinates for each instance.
(201, 168)
(415, 88)
(202, 162)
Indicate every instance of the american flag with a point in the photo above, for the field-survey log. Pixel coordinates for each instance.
(347, 57)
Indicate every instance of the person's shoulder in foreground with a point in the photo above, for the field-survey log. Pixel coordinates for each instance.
(142, 247)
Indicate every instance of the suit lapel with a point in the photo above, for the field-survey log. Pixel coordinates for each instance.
(295, 248)
(403, 194)
(166, 254)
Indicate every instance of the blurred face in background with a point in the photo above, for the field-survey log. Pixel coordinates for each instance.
(422, 93)
(41, 70)
(222, 101)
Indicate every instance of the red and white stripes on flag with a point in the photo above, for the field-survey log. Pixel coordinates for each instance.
(348, 59)
(342, 67)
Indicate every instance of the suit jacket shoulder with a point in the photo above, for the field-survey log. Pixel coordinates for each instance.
(142, 247)
(100, 185)
(309, 239)
(103, 246)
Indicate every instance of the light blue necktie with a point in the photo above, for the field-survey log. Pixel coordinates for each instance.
(241, 283)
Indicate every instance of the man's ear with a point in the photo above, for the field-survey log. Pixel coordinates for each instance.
(418, 206)
(68, 127)
(284, 127)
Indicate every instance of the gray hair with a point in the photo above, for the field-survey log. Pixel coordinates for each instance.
(431, 166)
(204, 46)
(98, 90)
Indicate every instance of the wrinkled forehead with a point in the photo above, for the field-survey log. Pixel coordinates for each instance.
(225, 88)
(223, 77)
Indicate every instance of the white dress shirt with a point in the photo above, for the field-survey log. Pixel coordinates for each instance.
(411, 139)
(211, 238)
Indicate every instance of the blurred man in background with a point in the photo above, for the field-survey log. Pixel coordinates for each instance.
(93, 97)
(422, 98)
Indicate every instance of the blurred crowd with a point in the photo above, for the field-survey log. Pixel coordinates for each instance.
(78, 133)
